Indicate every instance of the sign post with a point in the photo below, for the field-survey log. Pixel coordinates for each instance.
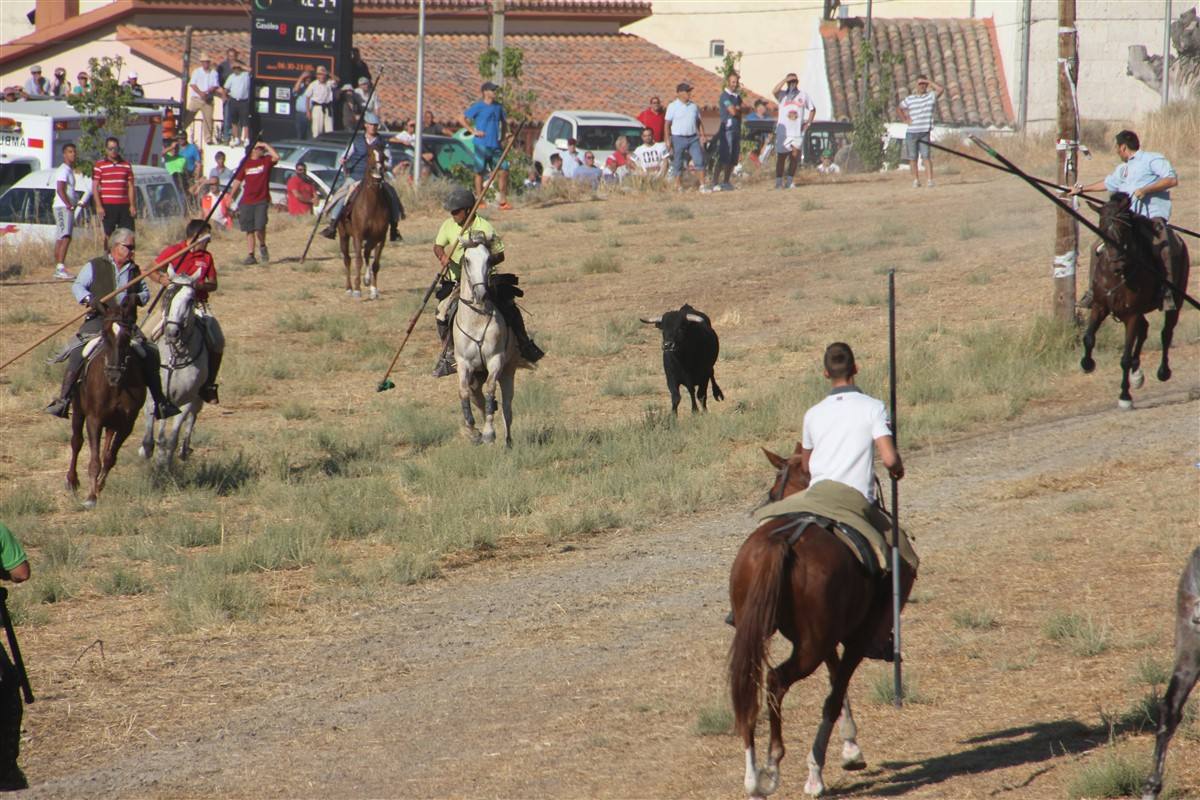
(286, 38)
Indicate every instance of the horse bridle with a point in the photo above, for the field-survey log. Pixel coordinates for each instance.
(180, 351)
(114, 367)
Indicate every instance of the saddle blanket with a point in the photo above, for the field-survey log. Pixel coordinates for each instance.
(847, 505)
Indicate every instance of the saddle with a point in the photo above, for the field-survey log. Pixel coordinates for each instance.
(859, 545)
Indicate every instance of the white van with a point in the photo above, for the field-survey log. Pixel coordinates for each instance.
(27, 208)
(592, 130)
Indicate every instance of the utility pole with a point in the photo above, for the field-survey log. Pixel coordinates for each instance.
(1066, 229)
(416, 165)
(498, 39)
(1023, 83)
(1166, 73)
(867, 40)
(185, 78)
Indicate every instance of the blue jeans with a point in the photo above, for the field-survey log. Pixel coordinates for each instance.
(689, 145)
(302, 124)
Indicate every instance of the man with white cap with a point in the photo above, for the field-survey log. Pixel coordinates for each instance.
(203, 85)
(35, 84)
(135, 88)
(363, 91)
(236, 93)
(320, 96)
(355, 162)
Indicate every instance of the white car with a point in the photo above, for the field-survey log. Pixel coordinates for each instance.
(27, 207)
(596, 131)
(282, 172)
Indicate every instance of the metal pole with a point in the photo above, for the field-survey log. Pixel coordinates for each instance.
(1066, 229)
(1166, 73)
(1023, 83)
(896, 666)
(416, 167)
(972, 10)
(185, 79)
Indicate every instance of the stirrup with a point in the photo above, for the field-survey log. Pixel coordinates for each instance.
(208, 394)
(59, 407)
(165, 410)
(445, 366)
(530, 351)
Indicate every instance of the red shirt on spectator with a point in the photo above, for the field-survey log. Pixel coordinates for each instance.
(111, 181)
(655, 121)
(255, 175)
(616, 160)
(300, 195)
(198, 263)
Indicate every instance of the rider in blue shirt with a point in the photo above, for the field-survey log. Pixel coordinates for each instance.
(355, 162)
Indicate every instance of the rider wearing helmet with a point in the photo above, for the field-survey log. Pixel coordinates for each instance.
(459, 203)
(355, 162)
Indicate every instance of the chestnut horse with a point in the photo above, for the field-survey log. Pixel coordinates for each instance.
(817, 594)
(366, 222)
(1127, 283)
(111, 394)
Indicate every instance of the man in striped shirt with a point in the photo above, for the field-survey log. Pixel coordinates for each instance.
(112, 189)
(917, 110)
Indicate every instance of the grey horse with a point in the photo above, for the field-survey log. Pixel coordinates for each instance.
(1186, 672)
(184, 357)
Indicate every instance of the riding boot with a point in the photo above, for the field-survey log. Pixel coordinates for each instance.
(330, 230)
(394, 235)
(395, 209)
(163, 408)
(60, 405)
(882, 646)
(208, 392)
(512, 315)
(445, 365)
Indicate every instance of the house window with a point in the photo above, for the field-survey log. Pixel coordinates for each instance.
(716, 48)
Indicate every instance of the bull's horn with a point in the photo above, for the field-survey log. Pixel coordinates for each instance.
(695, 318)
(653, 321)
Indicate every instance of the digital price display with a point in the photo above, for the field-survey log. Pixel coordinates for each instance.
(288, 37)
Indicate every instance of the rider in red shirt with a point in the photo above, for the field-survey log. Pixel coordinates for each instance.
(198, 264)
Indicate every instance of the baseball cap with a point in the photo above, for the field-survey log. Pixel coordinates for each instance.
(571, 142)
(132, 74)
(826, 153)
(683, 87)
(347, 87)
(369, 118)
(488, 87)
(36, 68)
(363, 81)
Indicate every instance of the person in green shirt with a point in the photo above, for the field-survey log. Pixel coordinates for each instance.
(14, 566)
(459, 203)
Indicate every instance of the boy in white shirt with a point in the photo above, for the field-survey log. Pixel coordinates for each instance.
(827, 167)
(65, 203)
(790, 143)
(651, 157)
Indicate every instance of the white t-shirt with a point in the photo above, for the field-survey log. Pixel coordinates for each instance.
(832, 169)
(204, 79)
(651, 156)
(841, 431)
(571, 163)
(66, 175)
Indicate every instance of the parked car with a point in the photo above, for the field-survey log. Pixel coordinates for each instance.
(821, 135)
(282, 172)
(592, 130)
(27, 207)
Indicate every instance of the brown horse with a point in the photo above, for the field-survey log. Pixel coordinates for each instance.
(1127, 283)
(110, 397)
(366, 222)
(817, 594)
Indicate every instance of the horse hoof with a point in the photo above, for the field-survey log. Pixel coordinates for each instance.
(349, 292)
(1087, 365)
(356, 294)
(1125, 405)
(1164, 374)
(768, 781)
(1137, 378)
(374, 293)
(489, 438)
(814, 788)
(90, 503)
(852, 758)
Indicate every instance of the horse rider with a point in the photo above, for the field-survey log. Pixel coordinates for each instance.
(1148, 179)
(98, 278)
(355, 163)
(198, 264)
(841, 435)
(459, 203)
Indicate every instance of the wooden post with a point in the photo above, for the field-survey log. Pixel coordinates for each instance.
(498, 39)
(185, 79)
(1066, 229)
(1166, 62)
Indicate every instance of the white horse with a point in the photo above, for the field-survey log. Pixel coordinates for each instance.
(184, 356)
(484, 347)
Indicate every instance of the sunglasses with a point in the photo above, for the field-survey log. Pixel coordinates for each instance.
(128, 247)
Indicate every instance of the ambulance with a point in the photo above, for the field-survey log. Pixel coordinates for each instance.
(32, 133)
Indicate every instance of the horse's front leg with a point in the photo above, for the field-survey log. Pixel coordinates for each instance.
(147, 447)
(76, 443)
(1125, 401)
(94, 452)
(115, 439)
(489, 401)
(358, 266)
(1089, 336)
(1168, 333)
(189, 423)
(373, 271)
(170, 438)
(1136, 377)
(464, 396)
(506, 401)
(344, 244)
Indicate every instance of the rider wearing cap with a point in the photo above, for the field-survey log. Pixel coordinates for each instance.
(459, 203)
(355, 162)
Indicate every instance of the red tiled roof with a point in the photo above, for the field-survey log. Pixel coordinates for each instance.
(609, 72)
(960, 55)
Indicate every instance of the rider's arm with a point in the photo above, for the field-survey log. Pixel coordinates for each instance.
(1091, 187)
(440, 253)
(890, 457)
(82, 287)
(1160, 185)
(142, 289)
(805, 457)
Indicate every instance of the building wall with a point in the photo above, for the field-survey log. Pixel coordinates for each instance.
(14, 23)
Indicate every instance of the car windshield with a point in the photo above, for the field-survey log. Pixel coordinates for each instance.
(163, 198)
(13, 172)
(29, 206)
(285, 151)
(604, 137)
(321, 158)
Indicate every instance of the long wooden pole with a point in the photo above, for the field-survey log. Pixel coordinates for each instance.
(157, 266)
(897, 676)
(1066, 229)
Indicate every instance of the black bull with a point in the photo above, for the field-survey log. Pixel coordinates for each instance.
(690, 348)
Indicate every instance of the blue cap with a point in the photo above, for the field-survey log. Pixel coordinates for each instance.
(369, 118)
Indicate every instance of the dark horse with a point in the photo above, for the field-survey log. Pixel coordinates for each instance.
(366, 222)
(1186, 672)
(110, 397)
(817, 594)
(1127, 283)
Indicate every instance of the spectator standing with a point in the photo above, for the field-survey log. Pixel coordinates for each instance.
(651, 157)
(135, 88)
(349, 107)
(374, 104)
(729, 145)
(788, 91)
(202, 87)
(254, 178)
(191, 162)
(408, 133)
(236, 92)
(687, 129)
(14, 566)
(431, 128)
(302, 192)
(654, 118)
(358, 67)
(174, 163)
(917, 110)
(112, 189)
(572, 159)
(35, 84)
(300, 105)
(791, 145)
(60, 87)
(320, 95)
(82, 83)
(224, 70)
(65, 204)
(487, 122)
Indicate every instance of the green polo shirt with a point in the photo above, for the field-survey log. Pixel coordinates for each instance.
(12, 555)
(449, 233)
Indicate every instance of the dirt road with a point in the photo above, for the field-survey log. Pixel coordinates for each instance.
(581, 671)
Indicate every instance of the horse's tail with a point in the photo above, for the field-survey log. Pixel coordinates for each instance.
(755, 621)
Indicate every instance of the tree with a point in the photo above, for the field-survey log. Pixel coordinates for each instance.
(730, 64)
(870, 124)
(517, 101)
(104, 108)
